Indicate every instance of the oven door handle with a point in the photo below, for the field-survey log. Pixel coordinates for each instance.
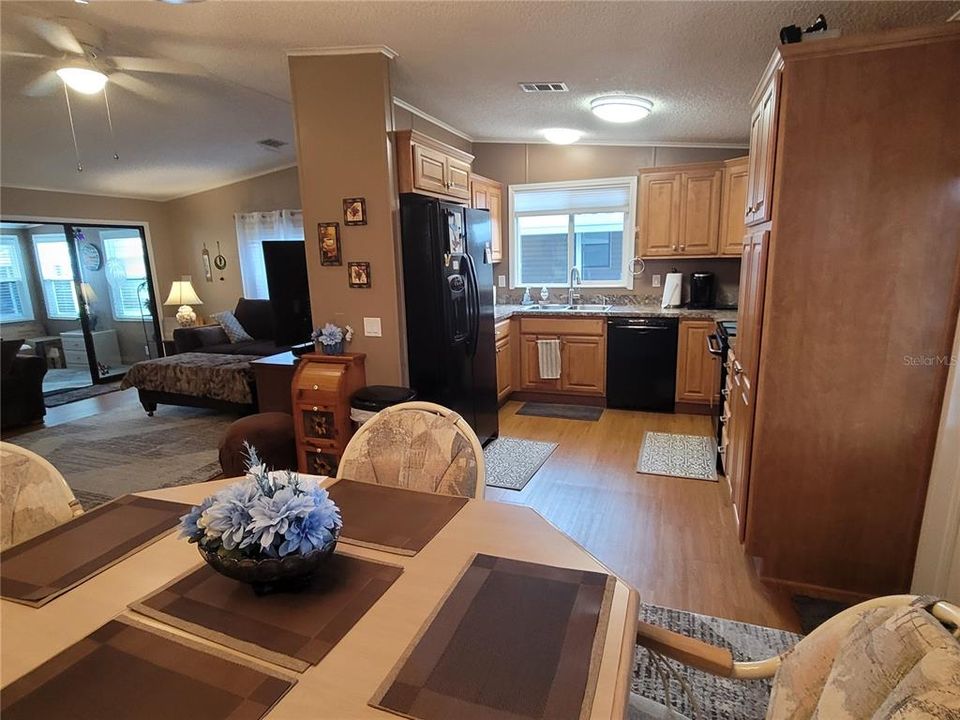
(713, 345)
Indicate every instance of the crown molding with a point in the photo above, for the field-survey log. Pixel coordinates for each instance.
(430, 118)
(346, 50)
(620, 143)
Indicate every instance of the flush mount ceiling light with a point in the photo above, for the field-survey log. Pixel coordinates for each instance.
(562, 136)
(621, 108)
(83, 80)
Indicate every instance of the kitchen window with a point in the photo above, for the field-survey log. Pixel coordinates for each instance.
(123, 256)
(586, 224)
(56, 277)
(15, 305)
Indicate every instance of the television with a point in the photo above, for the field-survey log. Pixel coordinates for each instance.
(286, 265)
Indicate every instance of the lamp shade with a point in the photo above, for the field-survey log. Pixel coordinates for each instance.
(89, 296)
(182, 293)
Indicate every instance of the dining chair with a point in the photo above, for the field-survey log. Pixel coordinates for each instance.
(893, 657)
(419, 446)
(34, 497)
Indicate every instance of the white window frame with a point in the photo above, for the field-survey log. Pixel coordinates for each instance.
(116, 301)
(629, 228)
(22, 287)
(52, 312)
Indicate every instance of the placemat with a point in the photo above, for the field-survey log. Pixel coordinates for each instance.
(294, 630)
(125, 669)
(392, 519)
(512, 640)
(38, 570)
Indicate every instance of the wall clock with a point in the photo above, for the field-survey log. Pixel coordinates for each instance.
(91, 257)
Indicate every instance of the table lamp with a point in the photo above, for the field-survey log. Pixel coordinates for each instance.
(89, 297)
(183, 294)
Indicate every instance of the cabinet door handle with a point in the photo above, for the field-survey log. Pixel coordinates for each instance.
(759, 205)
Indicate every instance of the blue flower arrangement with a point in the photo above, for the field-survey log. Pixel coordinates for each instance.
(269, 514)
(331, 334)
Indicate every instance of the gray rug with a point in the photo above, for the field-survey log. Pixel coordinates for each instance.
(62, 397)
(511, 462)
(565, 412)
(686, 456)
(122, 451)
(716, 698)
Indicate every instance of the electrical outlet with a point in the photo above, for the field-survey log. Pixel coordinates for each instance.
(655, 279)
(372, 327)
(502, 280)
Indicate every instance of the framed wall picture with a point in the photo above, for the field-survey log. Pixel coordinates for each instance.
(330, 252)
(355, 211)
(359, 274)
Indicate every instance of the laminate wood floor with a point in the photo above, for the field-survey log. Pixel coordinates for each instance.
(674, 539)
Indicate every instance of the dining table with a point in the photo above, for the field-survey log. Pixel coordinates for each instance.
(342, 684)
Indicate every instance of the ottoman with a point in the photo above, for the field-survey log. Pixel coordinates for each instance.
(270, 433)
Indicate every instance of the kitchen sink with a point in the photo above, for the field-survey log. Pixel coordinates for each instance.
(559, 307)
(589, 308)
(547, 306)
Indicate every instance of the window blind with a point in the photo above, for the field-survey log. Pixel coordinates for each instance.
(572, 199)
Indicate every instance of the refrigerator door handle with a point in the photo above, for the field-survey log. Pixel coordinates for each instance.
(474, 304)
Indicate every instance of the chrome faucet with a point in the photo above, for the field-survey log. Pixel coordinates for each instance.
(572, 295)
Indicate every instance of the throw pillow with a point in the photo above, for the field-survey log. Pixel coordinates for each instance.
(231, 326)
(8, 352)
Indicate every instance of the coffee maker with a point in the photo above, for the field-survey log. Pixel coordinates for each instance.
(701, 290)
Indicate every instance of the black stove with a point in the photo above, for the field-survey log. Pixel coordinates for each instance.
(719, 344)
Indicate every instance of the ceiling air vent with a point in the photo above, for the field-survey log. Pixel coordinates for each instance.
(540, 87)
(272, 143)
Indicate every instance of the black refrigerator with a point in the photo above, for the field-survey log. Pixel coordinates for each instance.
(448, 295)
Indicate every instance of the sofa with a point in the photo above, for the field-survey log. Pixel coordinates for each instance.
(256, 317)
(21, 386)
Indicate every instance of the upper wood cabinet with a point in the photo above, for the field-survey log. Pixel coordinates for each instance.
(659, 210)
(698, 372)
(700, 211)
(428, 166)
(733, 205)
(763, 143)
(487, 194)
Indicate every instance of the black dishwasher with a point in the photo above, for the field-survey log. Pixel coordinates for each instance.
(642, 363)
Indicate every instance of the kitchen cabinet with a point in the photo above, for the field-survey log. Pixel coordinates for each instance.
(487, 194)
(733, 206)
(698, 374)
(583, 355)
(700, 211)
(659, 210)
(430, 167)
(504, 354)
(763, 141)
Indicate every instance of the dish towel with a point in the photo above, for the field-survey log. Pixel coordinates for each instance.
(549, 352)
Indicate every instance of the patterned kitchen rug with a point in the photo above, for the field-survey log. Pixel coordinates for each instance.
(686, 456)
(710, 697)
(511, 462)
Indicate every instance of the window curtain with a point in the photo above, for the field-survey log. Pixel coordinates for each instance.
(252, 230)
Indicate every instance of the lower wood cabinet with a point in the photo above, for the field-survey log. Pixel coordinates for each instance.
(698, 372)
(504, 369)
(583, 362)
(583, 355)
(530, 366)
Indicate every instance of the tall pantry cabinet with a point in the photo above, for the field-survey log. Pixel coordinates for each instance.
(849, 297)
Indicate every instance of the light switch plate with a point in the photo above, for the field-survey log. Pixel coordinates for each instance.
(502, 280)
(372, 328)
(655, 279)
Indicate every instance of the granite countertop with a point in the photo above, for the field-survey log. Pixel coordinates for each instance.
(503, 312)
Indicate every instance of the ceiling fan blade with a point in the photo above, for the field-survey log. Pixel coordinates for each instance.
(46, 84)
(140, 87)
(18, 54)
(156, 65)
(57, 35)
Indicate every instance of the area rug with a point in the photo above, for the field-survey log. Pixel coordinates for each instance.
(124, 451)
(565, 412)
(713, 698)
(62, 397)
(511, 462)
(686, 456)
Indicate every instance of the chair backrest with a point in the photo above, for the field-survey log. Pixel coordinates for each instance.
(34, 497)
(420, 446)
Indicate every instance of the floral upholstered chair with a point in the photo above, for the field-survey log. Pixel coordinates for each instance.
(889, 658)
(34, 497)
(418, 446)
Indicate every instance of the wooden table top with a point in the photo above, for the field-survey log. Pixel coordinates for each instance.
(346, 679)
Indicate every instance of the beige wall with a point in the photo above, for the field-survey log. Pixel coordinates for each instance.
(403, 119)
(515, 163)
(348, 153)
(207, 217)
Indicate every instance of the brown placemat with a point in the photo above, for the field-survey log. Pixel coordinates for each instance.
(38, 570)
(512, 640)
(294, 630)
(127, 670)
(392, 519)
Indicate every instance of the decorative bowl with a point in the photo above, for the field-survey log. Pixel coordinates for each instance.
(267, 575)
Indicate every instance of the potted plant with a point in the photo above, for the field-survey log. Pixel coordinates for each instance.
(273, 529)
(330, 339)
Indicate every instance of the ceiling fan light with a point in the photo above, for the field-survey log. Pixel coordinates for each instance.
(621, 108)
(83, 80)
(562, 136)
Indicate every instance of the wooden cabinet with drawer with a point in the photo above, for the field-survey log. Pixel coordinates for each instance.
(428, 166)
(504, 353)
(583, 355)
(698, 372)
(106, 347)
